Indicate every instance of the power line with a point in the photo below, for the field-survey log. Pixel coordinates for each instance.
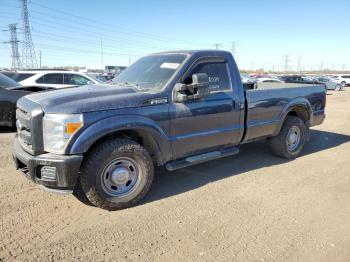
(91, 33)
(70, 27)
(120, 30)
(98, 24)
(79, 41)
(85, 52)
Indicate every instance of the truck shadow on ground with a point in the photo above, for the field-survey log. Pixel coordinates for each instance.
(252, 156)
(7, 129)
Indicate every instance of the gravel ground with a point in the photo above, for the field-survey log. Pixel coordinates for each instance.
(249, 207)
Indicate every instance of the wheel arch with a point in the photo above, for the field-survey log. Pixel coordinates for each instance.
(142, 130)
(300, 108)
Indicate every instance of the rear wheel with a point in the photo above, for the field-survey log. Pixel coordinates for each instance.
(116, 174)
(290, 141)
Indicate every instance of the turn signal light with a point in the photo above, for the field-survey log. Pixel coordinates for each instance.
(71, 128)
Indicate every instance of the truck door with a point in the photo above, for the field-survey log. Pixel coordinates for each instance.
(208, 123)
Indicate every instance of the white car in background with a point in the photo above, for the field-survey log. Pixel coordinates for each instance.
(343, 79)
(269, 80)
(53, 78)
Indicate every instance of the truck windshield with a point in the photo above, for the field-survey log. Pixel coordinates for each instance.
(150, 72)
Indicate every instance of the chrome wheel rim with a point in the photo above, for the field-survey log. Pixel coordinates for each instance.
(120, 177)
(293, 138)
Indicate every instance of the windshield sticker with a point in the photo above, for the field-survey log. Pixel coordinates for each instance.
(170, 65)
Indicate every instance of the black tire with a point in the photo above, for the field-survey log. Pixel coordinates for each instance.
(279, 143)
(92, 177)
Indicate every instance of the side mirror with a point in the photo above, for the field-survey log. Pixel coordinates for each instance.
(197, 90)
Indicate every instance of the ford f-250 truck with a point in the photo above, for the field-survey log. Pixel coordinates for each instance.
(174, 109)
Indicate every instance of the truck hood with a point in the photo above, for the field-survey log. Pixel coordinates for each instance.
(89, 98)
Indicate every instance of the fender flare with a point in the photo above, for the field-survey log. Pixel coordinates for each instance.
(83, 140)
(301, 103)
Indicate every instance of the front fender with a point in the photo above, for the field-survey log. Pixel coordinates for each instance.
(88, 136)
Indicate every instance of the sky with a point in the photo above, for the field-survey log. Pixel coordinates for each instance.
(313, 34)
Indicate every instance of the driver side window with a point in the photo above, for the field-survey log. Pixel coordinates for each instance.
(217, 72)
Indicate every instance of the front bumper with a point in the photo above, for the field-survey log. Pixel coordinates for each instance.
(55, 172)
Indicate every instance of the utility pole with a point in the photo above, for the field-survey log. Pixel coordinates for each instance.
(217, 45)
(273, 68)
(321, 66)
(129, 60)
(299, 64)
(40, 59)
(28, 51)
(251, 66)
(343, 68)
(233, 47)
(286, 61)
(16, 62)
(102, 56)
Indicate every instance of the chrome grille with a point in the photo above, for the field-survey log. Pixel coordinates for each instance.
(24, 128)
(29, 117)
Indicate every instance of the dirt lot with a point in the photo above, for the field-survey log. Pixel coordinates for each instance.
(250, 207)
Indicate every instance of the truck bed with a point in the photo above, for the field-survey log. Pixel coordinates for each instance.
(269, 85)
(266, 106)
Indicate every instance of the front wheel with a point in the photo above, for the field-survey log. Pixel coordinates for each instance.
(116, 174)
(290, 141)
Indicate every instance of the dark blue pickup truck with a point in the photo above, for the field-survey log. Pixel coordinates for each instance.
(174, 109)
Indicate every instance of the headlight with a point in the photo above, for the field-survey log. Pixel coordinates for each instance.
(58, 130)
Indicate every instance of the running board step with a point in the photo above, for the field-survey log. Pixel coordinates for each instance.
(193, 160)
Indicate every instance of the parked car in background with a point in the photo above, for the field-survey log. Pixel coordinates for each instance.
(330, 83)
(309, 80)
(105, 77)
(9, 74)
(53, 78)
(10, 92)
(343, 79)
(249, 82)
(269, 80)
(298, 79)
